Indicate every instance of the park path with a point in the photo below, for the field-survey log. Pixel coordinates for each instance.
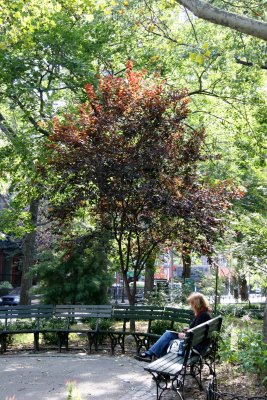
(43, 376)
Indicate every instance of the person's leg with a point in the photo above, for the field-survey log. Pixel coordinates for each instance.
(159, 348)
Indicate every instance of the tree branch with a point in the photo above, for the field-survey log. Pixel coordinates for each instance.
(248, 63)
(240, 23)
(30, 118)
(4, 128)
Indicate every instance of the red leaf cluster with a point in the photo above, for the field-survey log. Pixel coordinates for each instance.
(127, 154)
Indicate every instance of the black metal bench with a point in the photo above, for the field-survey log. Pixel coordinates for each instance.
(170, 371)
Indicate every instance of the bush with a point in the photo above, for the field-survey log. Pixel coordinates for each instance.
(16, 326)
(20, 325)
(160, 326)
(240, 310)
(244, 346)
(6, 285)
(76, 276)
(5, 288)
(52, 337)
(252, 353)
(104, 324)
(156, 298)
(227, 341)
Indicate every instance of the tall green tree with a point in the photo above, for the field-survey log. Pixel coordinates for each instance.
(48, 50)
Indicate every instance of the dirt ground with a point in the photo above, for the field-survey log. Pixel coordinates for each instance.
(232, 380)
(44, 376)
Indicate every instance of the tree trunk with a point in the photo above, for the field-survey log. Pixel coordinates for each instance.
(131, 297)
(235, 289)
(149, 274)
(243, 289)
(149, 281)
(28, 255)
(186, 260)
(129, 291)
(265, 323)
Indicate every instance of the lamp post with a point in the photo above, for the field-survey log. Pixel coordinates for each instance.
(171, 269)
(122, 293)
(216, 287)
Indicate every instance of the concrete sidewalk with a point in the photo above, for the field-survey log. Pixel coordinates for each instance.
(43, 376)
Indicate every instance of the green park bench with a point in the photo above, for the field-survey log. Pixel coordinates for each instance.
(73, 313)
(12, 318)
(170, 371)
(147, 314)
(37, 320)
(64, 320)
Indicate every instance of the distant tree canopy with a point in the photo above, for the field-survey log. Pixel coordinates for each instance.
(127, 155)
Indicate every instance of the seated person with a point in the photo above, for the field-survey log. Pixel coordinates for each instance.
(200, 306)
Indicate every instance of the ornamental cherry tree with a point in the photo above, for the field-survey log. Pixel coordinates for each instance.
(127, 156)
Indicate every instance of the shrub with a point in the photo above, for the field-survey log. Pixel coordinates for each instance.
(160, 326)
(5, 288)
(252, 353)
(16, 326)
(20, 325)
(239, 310)
(104, 324)
(244, 346)
(52, 337)
(156, 298)
(5, 285)
(228, 341)
(74, 276)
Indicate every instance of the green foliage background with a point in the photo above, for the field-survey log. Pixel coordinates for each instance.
(50, 49)
(77, 276)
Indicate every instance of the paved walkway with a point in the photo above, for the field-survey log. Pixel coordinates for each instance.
(43, 376)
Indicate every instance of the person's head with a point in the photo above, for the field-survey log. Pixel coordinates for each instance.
(198, 302)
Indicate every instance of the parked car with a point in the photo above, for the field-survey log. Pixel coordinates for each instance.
(11, 299)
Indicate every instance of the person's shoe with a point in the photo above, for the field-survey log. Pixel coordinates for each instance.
(143, 357)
